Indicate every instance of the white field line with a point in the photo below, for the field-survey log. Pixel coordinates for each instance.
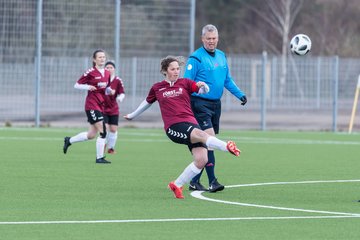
(125, 130)
(61, 139)
(264, 140)
(176, 220)
(247, 140)
(198, 194)
(68, 131)
(299, 182)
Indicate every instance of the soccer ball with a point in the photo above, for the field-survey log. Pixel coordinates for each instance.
(300, 44)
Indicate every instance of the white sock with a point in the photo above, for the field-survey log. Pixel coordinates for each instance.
(81, 137)
(111, 139)
(100, 145)
(215, 143)
(190, 171)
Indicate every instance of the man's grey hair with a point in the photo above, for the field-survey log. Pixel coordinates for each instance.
(208, 28)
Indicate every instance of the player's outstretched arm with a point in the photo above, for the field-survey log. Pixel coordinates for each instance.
(203, 87)
(120, 97)
(84, 87)
(140, 109)
(243, 100)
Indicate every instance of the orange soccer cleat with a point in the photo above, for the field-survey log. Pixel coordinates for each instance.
(176, 190)
(231, 147)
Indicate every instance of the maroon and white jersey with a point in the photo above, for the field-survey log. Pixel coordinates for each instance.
(111, 106)
(95, 99)
(174, 100)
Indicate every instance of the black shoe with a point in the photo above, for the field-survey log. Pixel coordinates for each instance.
(196, 186)
(102, 160)
(215, 186)
(66, 144)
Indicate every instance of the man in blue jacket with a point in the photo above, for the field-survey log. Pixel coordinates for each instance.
(209, 65)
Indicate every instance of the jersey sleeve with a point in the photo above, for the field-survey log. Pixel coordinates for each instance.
(191, 68)
(84, 78)
(151, 98)
(193, 87)
(232, 87)
(120, 87)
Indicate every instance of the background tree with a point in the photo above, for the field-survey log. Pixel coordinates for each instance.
(279, 15)
(331, 24)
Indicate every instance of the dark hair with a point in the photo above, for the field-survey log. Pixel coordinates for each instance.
(95, 53)
(165, 62)
(110, 63)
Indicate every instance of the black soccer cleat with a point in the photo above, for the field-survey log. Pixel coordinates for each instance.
(215, 186)
(196, 186)
(102, 160)
(66, 144)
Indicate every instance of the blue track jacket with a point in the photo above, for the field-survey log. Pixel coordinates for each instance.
(214, 71)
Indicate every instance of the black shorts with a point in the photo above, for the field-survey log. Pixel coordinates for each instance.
(180, 133)
(94, 116)
(207, 113)
(111, 119)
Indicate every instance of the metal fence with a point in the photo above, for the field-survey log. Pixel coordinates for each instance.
(315, 87)
(63, 35)
(317, 92)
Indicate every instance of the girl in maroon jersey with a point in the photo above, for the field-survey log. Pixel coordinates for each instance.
(111, 110)
(173, 95)
(96, 82)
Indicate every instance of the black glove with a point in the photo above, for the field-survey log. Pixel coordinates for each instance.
(243, 100)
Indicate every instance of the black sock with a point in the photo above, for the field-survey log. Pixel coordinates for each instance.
(197, 177)
(210, 166)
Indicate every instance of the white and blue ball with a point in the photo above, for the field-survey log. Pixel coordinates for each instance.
(300, 44)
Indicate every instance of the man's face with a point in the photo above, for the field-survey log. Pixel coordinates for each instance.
(210, 41)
